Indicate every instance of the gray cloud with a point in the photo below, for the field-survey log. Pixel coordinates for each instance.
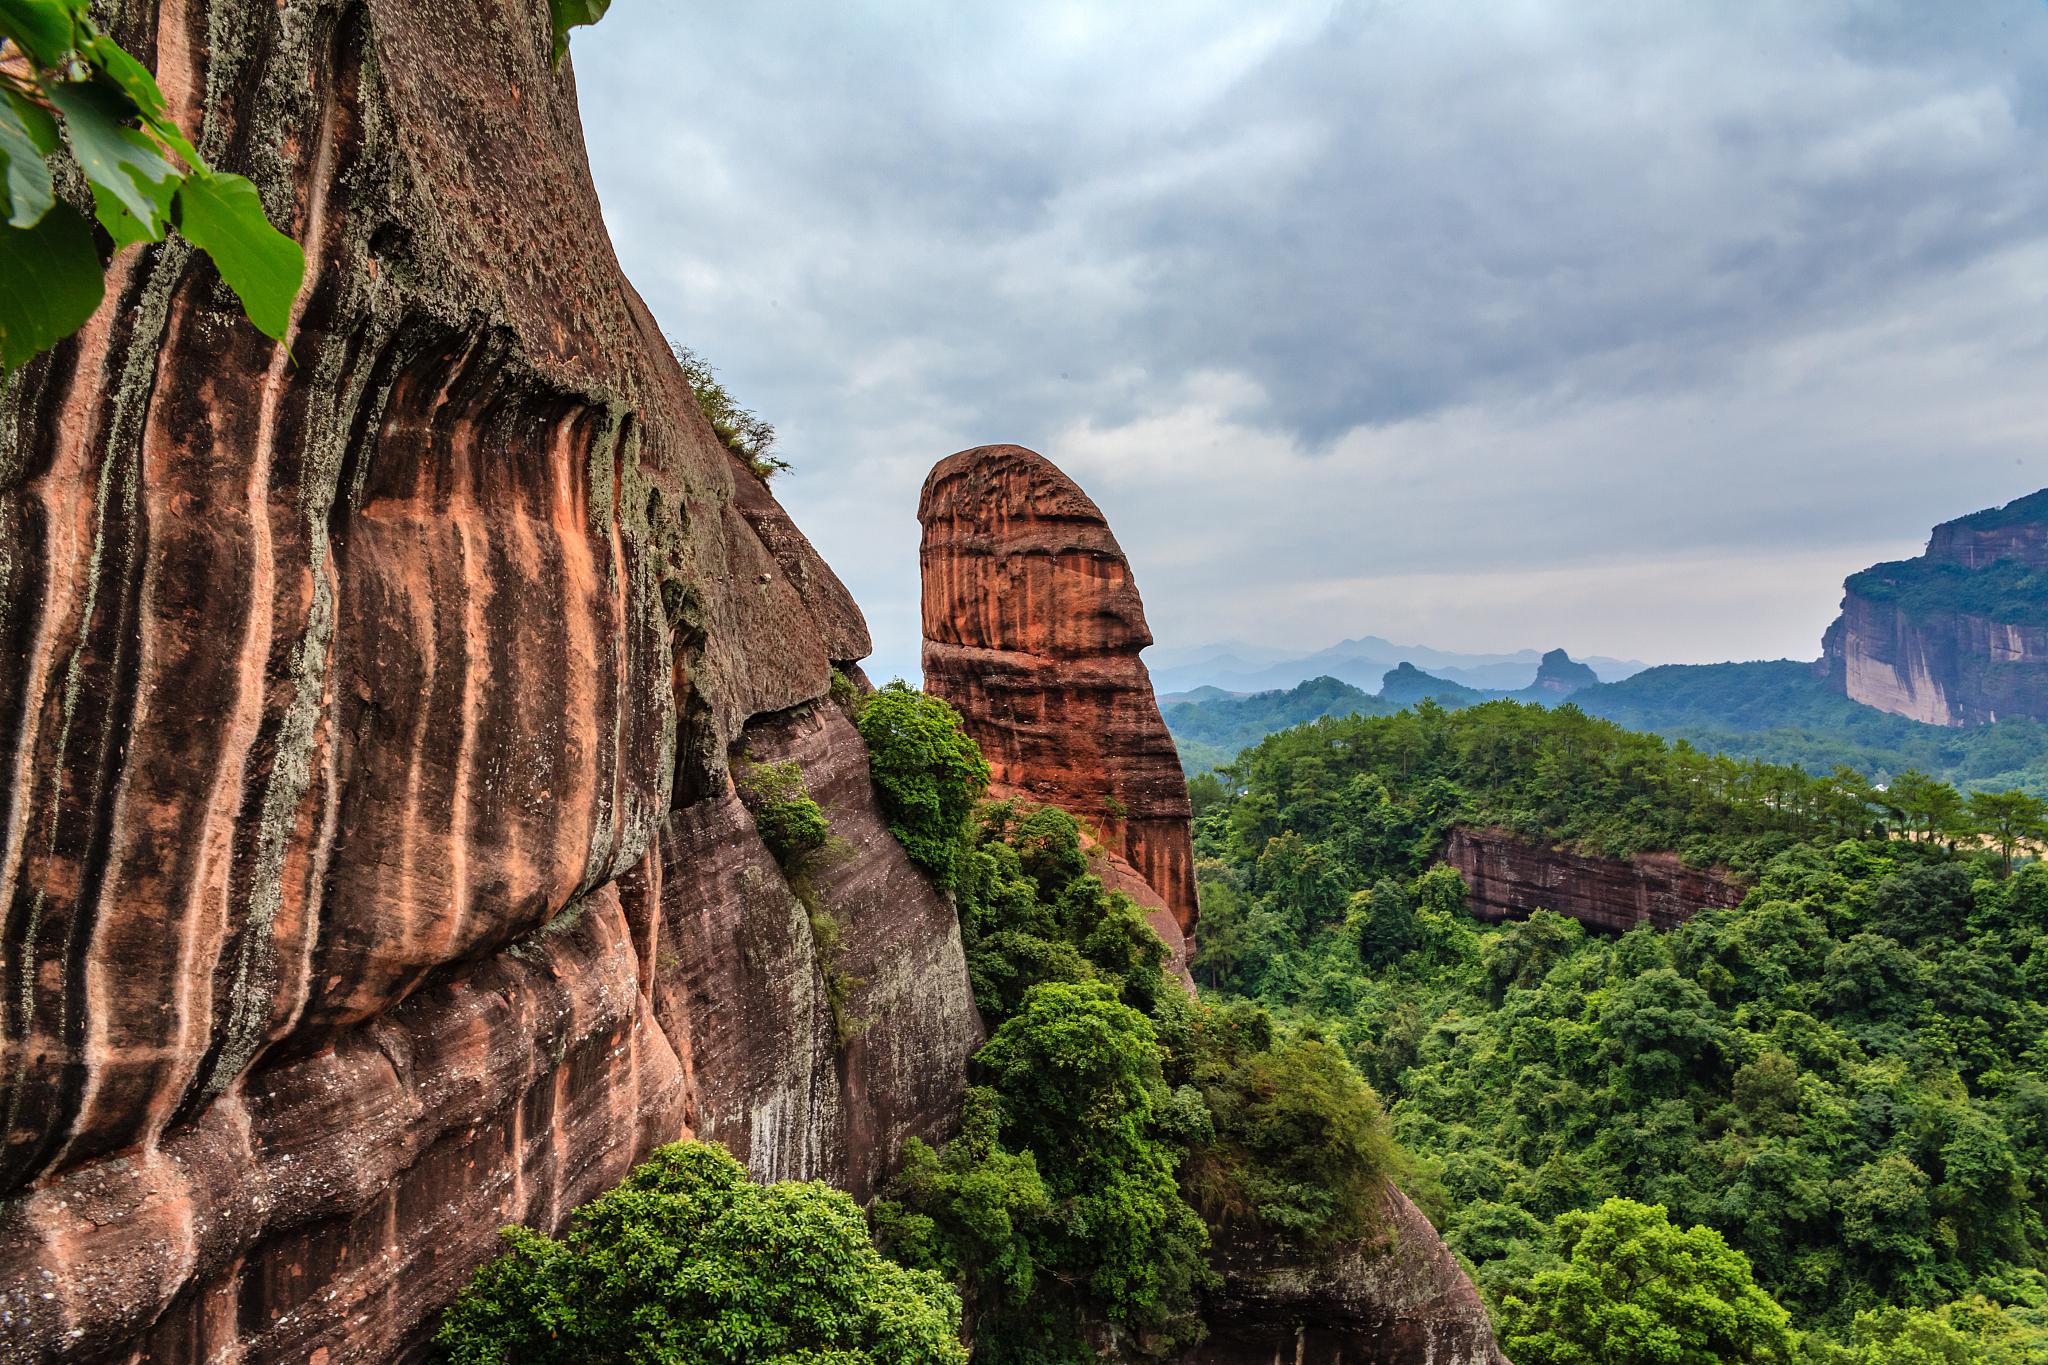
(1369, 316)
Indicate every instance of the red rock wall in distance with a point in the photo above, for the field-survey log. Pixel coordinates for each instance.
(1032, 628)
(1508, 877)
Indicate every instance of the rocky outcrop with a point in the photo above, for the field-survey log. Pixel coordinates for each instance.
(1398, 1299)
(1032, 629)
(1508, 877)
(370, 866)
(1559, 675)
(1958, 636)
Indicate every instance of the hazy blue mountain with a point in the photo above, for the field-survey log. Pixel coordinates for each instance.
(1363, 663)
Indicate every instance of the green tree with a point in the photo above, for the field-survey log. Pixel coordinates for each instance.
(1635, 1290)
(2010, 820)
(1077, 1075)
(58, 70)
(689, 1262)
(928, 772)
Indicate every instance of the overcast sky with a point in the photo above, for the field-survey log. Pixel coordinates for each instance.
(1629, 327)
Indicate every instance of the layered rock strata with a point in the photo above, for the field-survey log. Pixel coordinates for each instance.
(1508, 877)
(1032, 630)
(1958, 636)
(1032, 627)
(370, 869)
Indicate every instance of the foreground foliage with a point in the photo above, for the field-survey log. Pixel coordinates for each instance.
(691, 1263)
(59, 71)
(1118, 1126)
(1846, 1078)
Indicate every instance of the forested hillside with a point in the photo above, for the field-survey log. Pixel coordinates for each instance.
(1835, 1094)
(1779, 712)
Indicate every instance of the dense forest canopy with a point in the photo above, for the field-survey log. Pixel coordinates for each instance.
(1843, 1080)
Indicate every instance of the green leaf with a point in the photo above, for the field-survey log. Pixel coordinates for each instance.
(124, 227)
(25, 191)
(116, 157)
(131, 76)
(568, 14)
(223, 216)
(49, 284)
(46, 29)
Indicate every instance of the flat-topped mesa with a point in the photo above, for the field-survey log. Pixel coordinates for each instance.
(1032, 628)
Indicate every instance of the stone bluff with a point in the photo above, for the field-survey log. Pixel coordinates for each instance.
(370, 875)
(1032, 630)
(1958, 636)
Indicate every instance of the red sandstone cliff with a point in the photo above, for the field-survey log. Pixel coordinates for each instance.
(1958, 636)
(1507, 877)
(1032, 629)
(370, 868)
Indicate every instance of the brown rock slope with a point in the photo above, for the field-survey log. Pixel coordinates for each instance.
(370, 874)
(1032, 628)
(1507, 877)
(1958, 636)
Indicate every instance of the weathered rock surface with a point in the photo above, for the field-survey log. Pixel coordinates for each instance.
(1032, 629)
(370, 870)
(1508, 877)
(1401, 1299)
(1958, 636)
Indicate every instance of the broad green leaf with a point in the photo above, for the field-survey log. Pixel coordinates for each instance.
(130, 75)
(42, 129)
(224, 218)
(115, 156)
(568, 14)
(46, 29)
(25, 191)
(124, 227)
(49, 284)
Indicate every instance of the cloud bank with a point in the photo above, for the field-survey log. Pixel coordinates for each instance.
(1631, 327)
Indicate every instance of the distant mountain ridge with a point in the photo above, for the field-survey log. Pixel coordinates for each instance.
(1363, 663)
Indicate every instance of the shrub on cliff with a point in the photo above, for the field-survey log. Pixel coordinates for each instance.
(742, 431)
(928, 772)
(790, 822)
(691, 1263)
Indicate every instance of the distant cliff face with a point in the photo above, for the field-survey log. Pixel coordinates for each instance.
(1958, 636)
(370, 869)
(1507, 877)
(1560, 675)
(1032, 629)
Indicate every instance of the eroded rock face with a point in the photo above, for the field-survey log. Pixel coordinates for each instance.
(365, 828)
(1032, 630)
(1400, 1299)
(1958, 636)
(1508, 877)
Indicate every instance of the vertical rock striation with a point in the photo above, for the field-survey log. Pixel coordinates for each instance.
(1032, 627)
(1958, 636)
(1032, 630)
(1508, 877)
(370, 874)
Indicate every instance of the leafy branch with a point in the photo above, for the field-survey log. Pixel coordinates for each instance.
(59, 71)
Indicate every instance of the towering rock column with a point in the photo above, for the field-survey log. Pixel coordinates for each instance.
(1032, 628)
